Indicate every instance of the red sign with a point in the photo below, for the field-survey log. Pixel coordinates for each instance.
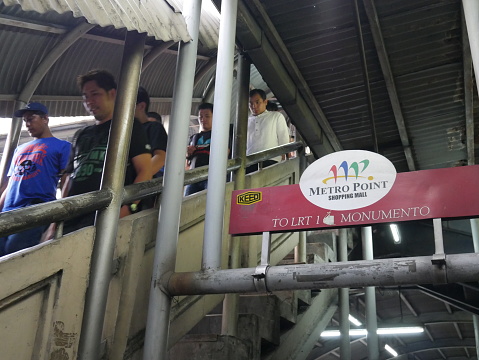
(418, 195)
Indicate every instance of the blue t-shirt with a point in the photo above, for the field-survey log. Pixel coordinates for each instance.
(34, 172)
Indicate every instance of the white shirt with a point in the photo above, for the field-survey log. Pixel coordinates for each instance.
(265, 131)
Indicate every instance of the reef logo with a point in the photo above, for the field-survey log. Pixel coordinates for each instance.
(347, 180)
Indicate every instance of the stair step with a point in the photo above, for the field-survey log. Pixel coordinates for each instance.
(206, 347)
(266, 307)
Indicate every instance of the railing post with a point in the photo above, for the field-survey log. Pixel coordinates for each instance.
(344, 300)
(157, 325)
(229, 320)
(370, 292)
(10, 144)
(475, 240)
(113, 179)
(213, 234)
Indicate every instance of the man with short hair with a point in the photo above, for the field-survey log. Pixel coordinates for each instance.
(98, 89)
(155, 132)
(266, 129)
(198, 150)
(34, 173)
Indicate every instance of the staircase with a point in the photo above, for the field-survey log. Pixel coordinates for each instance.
(280, 325)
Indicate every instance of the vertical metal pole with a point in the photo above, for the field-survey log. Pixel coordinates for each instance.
(300, 249)
(10, 144)
(475, 240)
(265, 248)
(229, 320)
(157, 326)
(471, 13)
(344, 300)
(371, 318)
(438, 238)
(113, 179)
(241, 123)
(215, 200)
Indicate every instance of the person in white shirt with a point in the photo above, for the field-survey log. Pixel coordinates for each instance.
(266, 129)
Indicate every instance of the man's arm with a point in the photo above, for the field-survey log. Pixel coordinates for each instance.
(65, 184)
(282, 131)
(142, 165)
(3, 190)
(157, 161)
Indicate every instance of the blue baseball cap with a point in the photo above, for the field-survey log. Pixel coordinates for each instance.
(34, 106)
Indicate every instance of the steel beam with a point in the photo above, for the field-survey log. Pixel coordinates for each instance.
(383, 56)
(157, 326)
(215, 200)
(381, 272)
(113, 180)
(292, 69)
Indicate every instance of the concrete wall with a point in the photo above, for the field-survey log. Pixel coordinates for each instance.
(42, 289)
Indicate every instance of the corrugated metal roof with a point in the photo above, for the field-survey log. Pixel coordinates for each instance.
(155, 18)
(424, 46)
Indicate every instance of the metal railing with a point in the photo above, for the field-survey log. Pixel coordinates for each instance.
(70, 207)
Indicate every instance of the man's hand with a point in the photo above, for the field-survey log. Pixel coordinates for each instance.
(190, 150)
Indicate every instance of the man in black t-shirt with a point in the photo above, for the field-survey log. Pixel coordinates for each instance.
(84, 172)
(155, 132)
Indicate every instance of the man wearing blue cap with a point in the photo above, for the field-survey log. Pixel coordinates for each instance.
(34, 173)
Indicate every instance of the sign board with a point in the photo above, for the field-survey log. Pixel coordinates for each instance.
(342, 197)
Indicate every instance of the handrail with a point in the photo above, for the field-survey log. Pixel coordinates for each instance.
(63, 209)
(70, 207)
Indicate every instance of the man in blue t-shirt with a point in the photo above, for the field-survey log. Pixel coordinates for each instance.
(34, 173)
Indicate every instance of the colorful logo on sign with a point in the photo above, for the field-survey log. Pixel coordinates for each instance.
(347, 180)
(249, 198)
(345, 167)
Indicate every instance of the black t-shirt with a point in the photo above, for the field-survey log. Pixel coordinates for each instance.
(88, 156)
(157, 138)
(201, 156)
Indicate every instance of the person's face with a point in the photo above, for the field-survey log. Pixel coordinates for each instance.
(97, 101)
(36, 124)
(205, 117)
(257, 105)
(140, 110)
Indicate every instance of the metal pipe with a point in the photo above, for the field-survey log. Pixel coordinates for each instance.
(63, 209)
(300, 249)
(370, 295)
(157, 325)
(380, 272)
(229, 320)
(364, 64)
(475, 234)
(215, 200)
(471, 13)
(68, 208)
(10, 144)
(438, 238)
(345, 344)
(241, 121)
(113, 180)
(475, 241)
(475, 320)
